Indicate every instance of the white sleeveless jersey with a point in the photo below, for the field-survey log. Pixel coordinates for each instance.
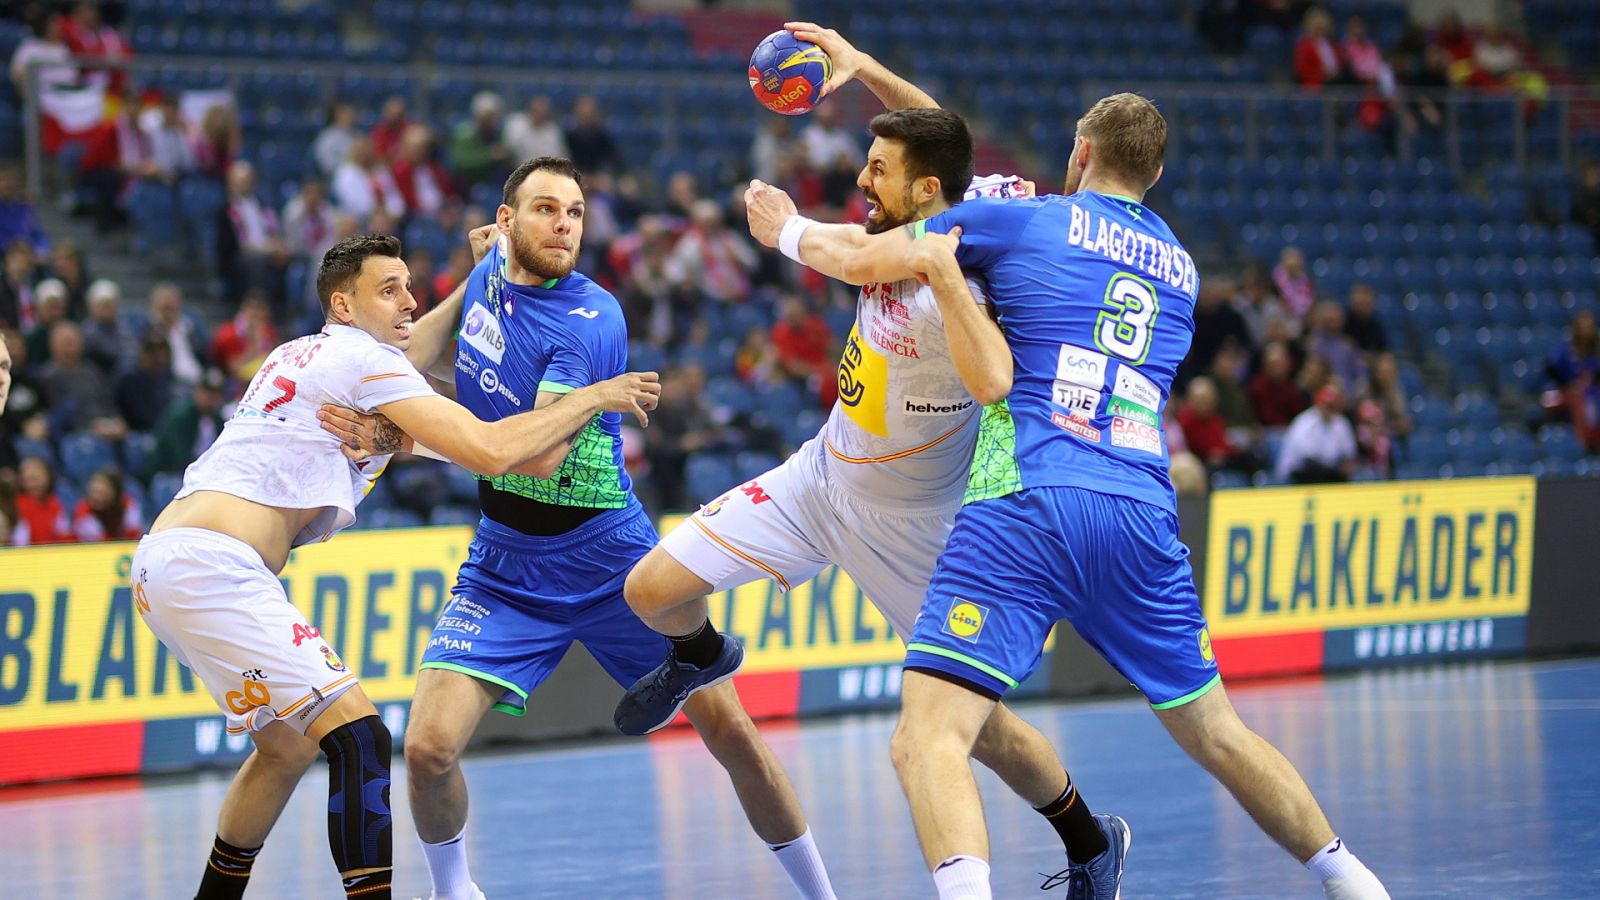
(904, 427)
(274, 452)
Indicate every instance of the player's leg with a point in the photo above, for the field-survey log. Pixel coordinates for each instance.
(255, 799)
(1145, 619)
(939, 723)
(891, 556)
(764, 790)
(1269, 788)
(445, 711)
(360, 826)
(752, 532)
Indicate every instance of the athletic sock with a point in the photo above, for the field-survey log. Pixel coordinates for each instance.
(447, 866)
(1070, 817)
(227, 872)
(804, 865)
(699, 648)
(1334, 861)
(371, 886)
(962, 878)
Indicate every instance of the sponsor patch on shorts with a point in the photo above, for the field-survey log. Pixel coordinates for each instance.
(966, 620)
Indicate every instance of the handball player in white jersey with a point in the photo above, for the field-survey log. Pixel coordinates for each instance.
(205, 579)
(877, 491)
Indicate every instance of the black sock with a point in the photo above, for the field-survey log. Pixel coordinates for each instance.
(699, 649)
(227, 872)
(1071, 819)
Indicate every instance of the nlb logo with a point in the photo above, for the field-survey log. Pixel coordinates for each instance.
(965, 620)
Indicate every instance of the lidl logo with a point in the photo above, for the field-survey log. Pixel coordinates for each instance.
(1205, 646)
(965, 620)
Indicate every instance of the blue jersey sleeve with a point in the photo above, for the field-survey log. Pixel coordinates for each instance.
(571, 366)
(989, 229)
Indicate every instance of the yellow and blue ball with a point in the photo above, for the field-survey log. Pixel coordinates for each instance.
(787, 74)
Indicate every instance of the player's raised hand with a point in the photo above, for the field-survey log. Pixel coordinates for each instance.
(481, 239)
(1026, 188)
(847, 60)
(635, 392)
(768, 208)
(931, 251)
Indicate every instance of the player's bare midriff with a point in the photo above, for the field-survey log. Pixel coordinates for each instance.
(269, 530)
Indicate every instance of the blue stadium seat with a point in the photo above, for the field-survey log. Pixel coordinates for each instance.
(708, 475)
(163, 488)
(136, 450)
(27, 447)
(83, 454)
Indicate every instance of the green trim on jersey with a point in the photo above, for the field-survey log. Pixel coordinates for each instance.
(1192, 696)
(994, 470)
(551, 387)
(978, 664)
(587, 478)
(485, 676)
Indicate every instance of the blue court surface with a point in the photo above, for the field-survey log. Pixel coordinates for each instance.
(1478, 780)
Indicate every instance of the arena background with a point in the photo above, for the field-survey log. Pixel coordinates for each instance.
(1468, 535)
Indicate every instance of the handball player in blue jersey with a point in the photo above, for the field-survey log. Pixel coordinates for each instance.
(1070, 513)
(557, 538)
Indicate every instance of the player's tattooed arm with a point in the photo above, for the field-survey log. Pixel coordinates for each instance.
(849, 63)
(361, 435)
(387, 436)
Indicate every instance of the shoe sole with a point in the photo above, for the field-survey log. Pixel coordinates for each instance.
(1127, 841)
(679, 708)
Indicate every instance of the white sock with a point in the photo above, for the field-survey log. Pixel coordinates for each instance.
(447, 866)
(962, 878)
(1334, 861)
(804, 865)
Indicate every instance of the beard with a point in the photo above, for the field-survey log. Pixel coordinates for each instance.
(888, 221)
(540, 263)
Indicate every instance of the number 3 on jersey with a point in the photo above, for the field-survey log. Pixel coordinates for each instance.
(1124, 329)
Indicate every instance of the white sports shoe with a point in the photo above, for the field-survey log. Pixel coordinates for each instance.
(1362, 885)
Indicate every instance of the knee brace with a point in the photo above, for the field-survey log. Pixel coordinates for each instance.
(359, 825)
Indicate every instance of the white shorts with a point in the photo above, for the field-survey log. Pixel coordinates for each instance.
(788, 524)
(217, 607)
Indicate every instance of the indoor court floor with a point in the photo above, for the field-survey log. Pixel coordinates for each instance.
(1477, 780)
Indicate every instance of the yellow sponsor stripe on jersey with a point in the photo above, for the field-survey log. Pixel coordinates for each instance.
(864, 384)
(381, 377)
(862, 460)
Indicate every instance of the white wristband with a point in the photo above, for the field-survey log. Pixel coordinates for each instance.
(789, 237)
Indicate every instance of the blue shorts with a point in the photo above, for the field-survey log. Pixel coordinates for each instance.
(1111, 566)
(520, 601)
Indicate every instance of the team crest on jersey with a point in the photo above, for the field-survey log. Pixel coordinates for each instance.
(715, 506)
(332, 660)
(966, 620)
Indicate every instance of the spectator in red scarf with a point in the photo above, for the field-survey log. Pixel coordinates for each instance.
(88, 35)
(251, 253)
(423, 182)
(1316, 57)
(805, 347)
(243, 342)
(713, 257)
(391, 128)
(1273, 392)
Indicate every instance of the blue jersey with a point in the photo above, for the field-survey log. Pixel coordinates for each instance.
(516, 341)
(1097, 298)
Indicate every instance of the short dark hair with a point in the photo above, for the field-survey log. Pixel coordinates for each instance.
(560, 165)
(343, 262)
(937, 142)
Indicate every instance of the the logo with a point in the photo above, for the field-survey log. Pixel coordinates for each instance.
(586, 313)
(1080, 401)
(965, 620)
(140, 601)
(1205, 646)
(1078, 425)
(1081, 366)
(919, 406)
(715, 506)
(771, 81)
(1134, 387)
(490, 381)
(302, 632)
(1135, 435)
(482, 332)
(754, 492)
(332, 659)
(254, 694)
(1130, 410)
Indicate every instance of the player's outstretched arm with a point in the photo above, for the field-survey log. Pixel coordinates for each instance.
(433, 336)
(977, 347)
(848, 62)
(845, 252)
(497, 448)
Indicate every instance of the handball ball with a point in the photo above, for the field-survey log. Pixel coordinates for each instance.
(787, 74)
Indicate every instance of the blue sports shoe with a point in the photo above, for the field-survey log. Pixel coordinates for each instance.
(654, 699)
(1099, 878)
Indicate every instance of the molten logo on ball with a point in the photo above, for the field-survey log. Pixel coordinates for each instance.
(787, 74)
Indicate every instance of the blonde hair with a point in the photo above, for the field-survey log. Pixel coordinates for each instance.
(1129, 136)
